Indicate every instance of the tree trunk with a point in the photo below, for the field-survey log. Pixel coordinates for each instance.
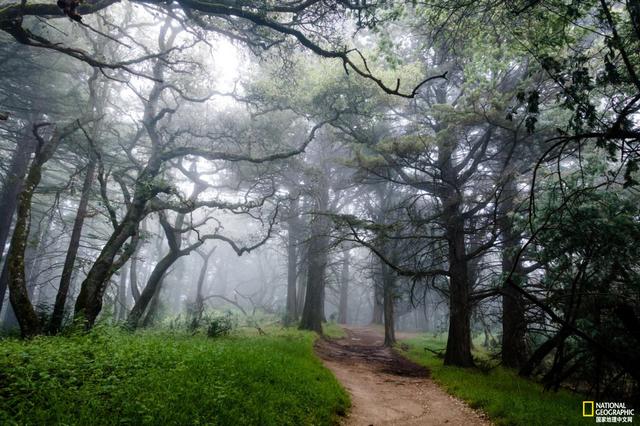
(89, 301)
(633, 7)
(514, 327)
(198, 308)
(152, 311)
(67, 271)
(303, 274)
(458, 351)
(7, 318)
(152, 287)
(344, 289)
(9, 198)
(514, 349)
(199, 302)
(151, 291)
(378, 310)
(133, 279)
(388, 281)
(292, 263)
(18, 293)
(312, 313)
(122, 297)
(313, 303)
(324, 296)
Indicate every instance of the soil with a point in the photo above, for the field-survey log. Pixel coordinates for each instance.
(388, 389)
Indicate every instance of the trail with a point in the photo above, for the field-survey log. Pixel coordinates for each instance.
(388, 389)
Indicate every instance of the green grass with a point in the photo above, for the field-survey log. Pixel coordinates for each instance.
(333, 330)
(504, 396)
(160, 378)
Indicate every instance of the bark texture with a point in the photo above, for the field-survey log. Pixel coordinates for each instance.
(18, 293)
(313, 311)
(9, 198)
(458, 350)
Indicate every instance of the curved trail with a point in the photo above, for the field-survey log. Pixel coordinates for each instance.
(388, 389)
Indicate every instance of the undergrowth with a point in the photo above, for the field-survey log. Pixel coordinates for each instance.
(109, 377)
(504, 396)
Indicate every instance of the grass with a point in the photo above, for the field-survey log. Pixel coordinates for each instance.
(333, 330)
(108, 377)
(504, 396)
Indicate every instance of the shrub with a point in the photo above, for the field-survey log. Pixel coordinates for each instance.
(219, 326)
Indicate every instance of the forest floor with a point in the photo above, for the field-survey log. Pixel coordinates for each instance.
(499, 392)
(386, 388)
(109, 377)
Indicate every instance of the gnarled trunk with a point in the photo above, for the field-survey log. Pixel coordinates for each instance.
(198, 308)
(9, 199)
(150, 290)
(152, 311)
(18, 293)
(89, 302)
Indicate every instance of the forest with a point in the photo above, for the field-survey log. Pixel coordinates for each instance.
(319, 212)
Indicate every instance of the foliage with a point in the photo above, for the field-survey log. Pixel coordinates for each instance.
(219, 326)
(504, 396)
(109, 377)
(588, 244)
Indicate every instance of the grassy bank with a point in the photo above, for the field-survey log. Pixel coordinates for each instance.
(109, 377)
(507, 398)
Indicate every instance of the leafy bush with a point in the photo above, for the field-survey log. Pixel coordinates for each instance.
(219, 326)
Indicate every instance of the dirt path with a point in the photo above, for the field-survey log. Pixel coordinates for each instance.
(387, 389)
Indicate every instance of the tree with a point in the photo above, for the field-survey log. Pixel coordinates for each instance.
(27, 318)
(318, 252)
(343, 307)
(294, 242)
(212, 16)
(57, 315)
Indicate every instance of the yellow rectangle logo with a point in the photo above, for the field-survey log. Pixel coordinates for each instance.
(587, 409)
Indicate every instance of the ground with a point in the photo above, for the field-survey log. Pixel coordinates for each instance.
(501, 393)
(386, 388)
(110, 377)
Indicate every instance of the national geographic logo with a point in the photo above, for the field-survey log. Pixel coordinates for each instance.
(608, 412)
